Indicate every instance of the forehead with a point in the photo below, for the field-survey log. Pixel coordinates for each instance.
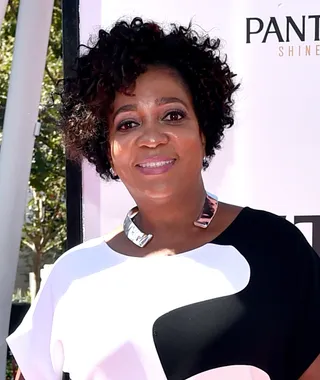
(156, 83)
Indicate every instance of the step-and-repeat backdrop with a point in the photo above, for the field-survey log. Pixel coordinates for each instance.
(270, 158)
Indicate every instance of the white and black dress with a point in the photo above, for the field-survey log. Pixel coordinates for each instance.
(244, 307)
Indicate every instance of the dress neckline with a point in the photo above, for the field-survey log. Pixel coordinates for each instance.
(216, 240)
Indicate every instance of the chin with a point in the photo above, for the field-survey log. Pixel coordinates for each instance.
(160, 192)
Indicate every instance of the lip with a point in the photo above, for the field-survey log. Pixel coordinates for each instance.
(161, 164)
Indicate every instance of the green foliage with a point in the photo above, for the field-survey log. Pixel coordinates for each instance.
(9, 369)
(20, 296)
(44, 228)
(6, 49)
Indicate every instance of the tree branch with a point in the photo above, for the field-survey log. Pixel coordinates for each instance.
(29, 245)
(53, 80)
(47, 237)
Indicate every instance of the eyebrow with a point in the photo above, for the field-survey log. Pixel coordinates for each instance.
(159, 102)
(125, 108)
(167, 100)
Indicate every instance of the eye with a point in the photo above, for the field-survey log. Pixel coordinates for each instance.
(126, 125)
(175, 116)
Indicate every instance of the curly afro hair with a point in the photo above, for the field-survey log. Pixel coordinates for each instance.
(113, 64)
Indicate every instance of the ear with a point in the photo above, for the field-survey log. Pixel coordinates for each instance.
(112, 171)
(114, 174)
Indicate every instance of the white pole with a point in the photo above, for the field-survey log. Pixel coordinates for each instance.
(32, 35)
(3, 7)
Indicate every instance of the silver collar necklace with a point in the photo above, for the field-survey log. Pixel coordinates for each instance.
(141, 239)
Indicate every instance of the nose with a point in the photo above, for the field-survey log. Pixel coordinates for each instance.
(152, 136)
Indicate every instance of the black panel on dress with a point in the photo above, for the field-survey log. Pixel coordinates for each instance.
(258, 326)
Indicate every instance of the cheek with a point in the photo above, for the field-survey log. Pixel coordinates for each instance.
(120, 152)
(190, 145)
(115, 150)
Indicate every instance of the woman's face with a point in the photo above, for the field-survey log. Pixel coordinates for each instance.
(156, 145)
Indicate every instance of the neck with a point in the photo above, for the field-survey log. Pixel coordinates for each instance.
(170, 215)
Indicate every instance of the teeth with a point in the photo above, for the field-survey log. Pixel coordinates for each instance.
(155, 164)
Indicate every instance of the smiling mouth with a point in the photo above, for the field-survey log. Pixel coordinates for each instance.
(156, 167)
(156, 164)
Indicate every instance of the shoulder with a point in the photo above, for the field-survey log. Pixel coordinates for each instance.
(274, 233)
(248, 220)
(31, 342)
(81, 261)
(265, 223)
(260, 230)
(248, 223)
(266, 218)
(83, 252)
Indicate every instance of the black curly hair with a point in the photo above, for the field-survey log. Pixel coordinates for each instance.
(113, 64)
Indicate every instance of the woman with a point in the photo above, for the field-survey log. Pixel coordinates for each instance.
(189, 288)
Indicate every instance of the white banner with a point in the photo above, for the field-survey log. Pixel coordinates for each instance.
(269, 159)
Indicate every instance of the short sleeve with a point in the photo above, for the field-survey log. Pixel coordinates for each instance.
(305, 345)
(30, 344)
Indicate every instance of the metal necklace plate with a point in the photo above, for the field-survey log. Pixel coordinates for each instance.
(133, 233)
(141, 239)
